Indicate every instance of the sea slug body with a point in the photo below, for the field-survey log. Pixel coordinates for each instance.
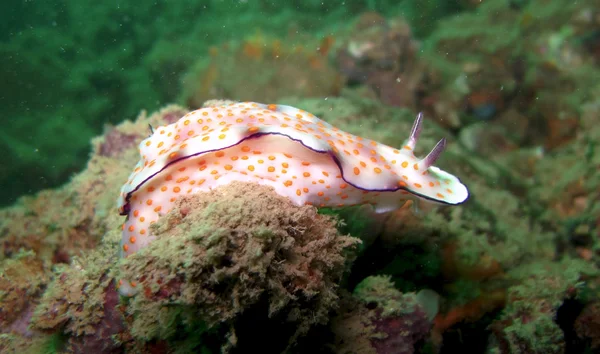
(299, 155)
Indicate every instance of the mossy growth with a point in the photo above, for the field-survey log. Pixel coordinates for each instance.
(528, 323)
(235, 248)
(381, 291)
(76, 301)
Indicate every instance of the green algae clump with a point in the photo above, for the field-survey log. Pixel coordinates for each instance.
(236, 249)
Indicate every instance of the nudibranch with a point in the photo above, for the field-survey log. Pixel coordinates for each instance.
(301, 156)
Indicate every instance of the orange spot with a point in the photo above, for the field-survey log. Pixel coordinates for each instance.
(431, 184)
(219, 154)
(271, 169)
(440, 195)
(163, 188)
(157, 209)
(136, 213)
(173, 155)
(288, 156)
(305, 190)
(355, 152)
(449, 191)
(272, 107)
(320, 194)
(228, 167)
(285, 165)
(132, 239)
(187, 122)
(125, 248)
(287, 183)
(402, 184)
(149, 202)
(418, 185)
(176, 189)
(245, 148)
(306, 174)
(298, 192)
(304, 163)
(234, 158)
(142, 219)
(404, 164)
(407, 147)
(222, 136)
(148, 143)
(190, 133)
(214, 172)
(271, 158)
(416, 166)
(325, 174)
(356, 171)
(343, 186)
(205, 138)
(251, 168)
(253, 129)
(377, 170)
(363, 164)
(142, 232)
(131, 228)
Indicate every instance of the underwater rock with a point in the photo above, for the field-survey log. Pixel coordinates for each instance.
(379, 319)
(263, 69)
(587, 325)
(382, 55)
(81, 303)
(528, 323)
(218, 256)
(22, 280)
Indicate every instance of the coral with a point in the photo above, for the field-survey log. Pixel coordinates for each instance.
(218, 254)
(380, 319)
